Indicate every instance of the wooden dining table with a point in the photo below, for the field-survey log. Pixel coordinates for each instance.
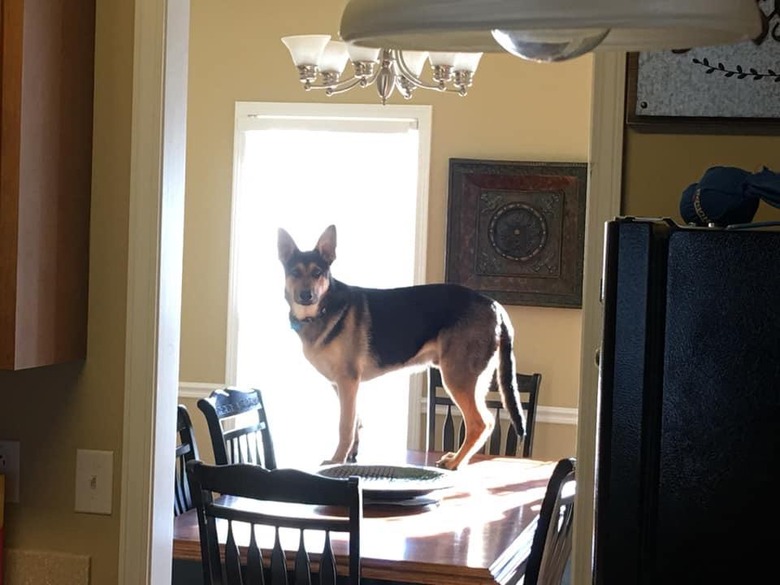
(478, 531)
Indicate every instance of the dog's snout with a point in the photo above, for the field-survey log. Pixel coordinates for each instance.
(305, 296)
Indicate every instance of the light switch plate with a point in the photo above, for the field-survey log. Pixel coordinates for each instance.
(94, 481)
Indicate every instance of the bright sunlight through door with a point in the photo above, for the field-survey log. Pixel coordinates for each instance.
(303, 174)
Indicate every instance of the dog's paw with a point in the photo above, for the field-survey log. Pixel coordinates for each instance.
(447, 461)
(334, 462)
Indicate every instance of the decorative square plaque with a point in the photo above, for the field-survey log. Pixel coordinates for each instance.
(515, 230)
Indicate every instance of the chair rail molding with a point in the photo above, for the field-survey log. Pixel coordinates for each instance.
(198, 390)
(557, 415)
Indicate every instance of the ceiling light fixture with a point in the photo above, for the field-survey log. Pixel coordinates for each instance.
(548, 30)
(321, 62)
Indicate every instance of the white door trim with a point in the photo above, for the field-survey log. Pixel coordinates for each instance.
(154, 279)
(604, 190)
(156, 235)
(245, 118)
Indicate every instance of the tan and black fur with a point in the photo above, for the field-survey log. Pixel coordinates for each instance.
(351, 334)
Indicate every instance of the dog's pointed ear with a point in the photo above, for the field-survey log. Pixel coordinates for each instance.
(326, 245)
(286, 246)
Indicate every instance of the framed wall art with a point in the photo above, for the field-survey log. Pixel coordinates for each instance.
(516, 230)
(724, 89)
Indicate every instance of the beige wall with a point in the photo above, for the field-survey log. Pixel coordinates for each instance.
(515, 111)
(659, 166)
(53, 411)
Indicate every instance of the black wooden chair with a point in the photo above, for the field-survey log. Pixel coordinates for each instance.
(552, 542)
(453, 430)
(277, 486)
(238, 427)
(186, 451)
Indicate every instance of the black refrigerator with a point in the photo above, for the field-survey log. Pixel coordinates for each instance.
(688, 449)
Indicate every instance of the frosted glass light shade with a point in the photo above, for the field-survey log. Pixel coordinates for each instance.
(415, 60)
(439, 58)
(467, 61)
(306, 49)
(467, 25)
(363, 54)
(334, 57)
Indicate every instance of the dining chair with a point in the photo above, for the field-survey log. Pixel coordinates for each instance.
(238, 427)
(552, 541)
(453, 430)
(272, 487)
(186, 450)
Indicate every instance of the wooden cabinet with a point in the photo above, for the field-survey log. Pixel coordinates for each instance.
(45, 179)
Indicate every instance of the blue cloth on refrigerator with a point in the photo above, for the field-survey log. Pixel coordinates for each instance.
(729, 195)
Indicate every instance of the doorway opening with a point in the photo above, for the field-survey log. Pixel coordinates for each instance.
(303, 167)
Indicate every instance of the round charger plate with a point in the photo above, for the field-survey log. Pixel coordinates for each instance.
(392, 482)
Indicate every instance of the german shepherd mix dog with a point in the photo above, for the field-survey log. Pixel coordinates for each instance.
(351, 334)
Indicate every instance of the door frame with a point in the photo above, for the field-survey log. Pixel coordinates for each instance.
(154, 286)
(605, 166)
(154, 275)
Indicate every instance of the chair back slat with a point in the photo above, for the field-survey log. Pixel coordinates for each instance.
(449, 430)
(278, 563)
(552, 541)
(232, 559)
(238, 427)
(302, 564)
(503, 439)
(254, 561)
(327, 563)
(511, 442)
(462, 433)
(186, 450)
(495, 436)
(181, 496)
(233, 450)
(243, 448)
(272, 486)
(253, 450)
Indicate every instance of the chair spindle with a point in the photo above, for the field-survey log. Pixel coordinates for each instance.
(232, 558)
(278, 563)
(254, 561)
(302, 564)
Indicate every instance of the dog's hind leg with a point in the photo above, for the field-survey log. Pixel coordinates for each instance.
(467, 393)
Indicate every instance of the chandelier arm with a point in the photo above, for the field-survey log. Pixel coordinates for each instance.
(344, 84)
(348, 84)
(404, 70)
(338, 87)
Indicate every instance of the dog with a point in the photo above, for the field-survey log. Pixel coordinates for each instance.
(351, 334)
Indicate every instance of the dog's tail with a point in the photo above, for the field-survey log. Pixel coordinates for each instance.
(507, 381)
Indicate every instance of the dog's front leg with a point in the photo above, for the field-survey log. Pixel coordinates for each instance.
(352, 457)
(347, 391)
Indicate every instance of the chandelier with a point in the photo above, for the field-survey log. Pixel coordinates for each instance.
(321, 62)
